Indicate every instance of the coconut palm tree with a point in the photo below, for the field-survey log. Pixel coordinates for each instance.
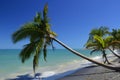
(84, 57)
(103, 32)
(37, 32)
(101, 45)
(95, 43)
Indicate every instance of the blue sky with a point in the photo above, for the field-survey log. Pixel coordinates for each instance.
(72, 20)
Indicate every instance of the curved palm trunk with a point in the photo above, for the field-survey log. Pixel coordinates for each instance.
(114, 53)
(84, 57)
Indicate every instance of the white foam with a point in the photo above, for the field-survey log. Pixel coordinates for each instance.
(96, 58)
(64, 69)
(47, 74)
(70, 68)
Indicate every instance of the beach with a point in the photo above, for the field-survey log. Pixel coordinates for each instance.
(95, 72)
(59, 61)
(73, 68)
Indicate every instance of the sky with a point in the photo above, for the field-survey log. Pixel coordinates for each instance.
(72, 20)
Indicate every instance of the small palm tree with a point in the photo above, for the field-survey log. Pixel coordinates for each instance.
(101, 45)
(38, 33)
(96, 41)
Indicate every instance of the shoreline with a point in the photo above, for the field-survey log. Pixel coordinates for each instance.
(88, 65)
(68, 69)
(94, 72)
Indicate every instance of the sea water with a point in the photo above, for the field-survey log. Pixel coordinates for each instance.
(58, 61)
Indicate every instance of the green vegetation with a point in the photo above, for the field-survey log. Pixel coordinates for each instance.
(101, 39)
(116, 38)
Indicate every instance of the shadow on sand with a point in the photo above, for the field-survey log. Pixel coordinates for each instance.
(26, 77)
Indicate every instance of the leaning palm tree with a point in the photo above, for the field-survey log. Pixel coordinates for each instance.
(38, 33)
(84, 57)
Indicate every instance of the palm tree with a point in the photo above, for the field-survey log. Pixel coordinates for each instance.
(38, 33)
(84, 57)
(95, 41)
(103, 33)
(101, 45)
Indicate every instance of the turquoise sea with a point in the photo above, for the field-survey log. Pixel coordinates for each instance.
(58, 61)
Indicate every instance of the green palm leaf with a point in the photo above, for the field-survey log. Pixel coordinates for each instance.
(27, 51)
(108, 39)
(100, 40)
(26, 31)
(94, 51)
(90, 45)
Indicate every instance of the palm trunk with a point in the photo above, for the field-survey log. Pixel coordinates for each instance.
(84, 57)
(114, 53)
(106, 59)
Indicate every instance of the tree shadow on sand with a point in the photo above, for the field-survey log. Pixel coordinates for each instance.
(26, 77)
(92, 73)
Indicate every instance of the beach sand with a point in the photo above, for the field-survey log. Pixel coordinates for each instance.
(94, 73)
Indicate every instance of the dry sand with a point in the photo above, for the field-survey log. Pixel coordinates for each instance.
(94, 73)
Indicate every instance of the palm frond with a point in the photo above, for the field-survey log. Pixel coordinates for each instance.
(93, 51)
(115, 44)
(38, 18)
(26, 31)
(45, 11)
(39, 45)
(108, 39)
(100, 40)
(35, 62)
(90, 45)
(38, 49)
(27, 51)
